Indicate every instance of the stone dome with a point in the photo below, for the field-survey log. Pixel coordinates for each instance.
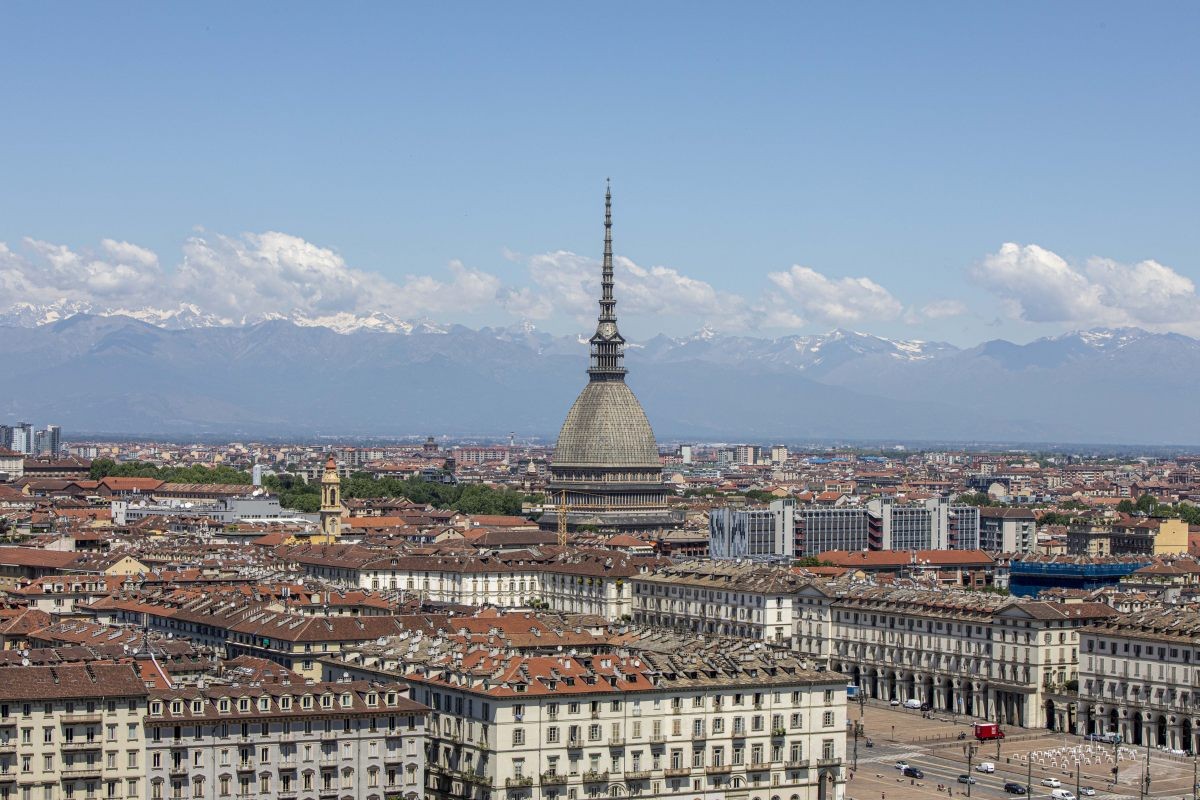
(606, 427)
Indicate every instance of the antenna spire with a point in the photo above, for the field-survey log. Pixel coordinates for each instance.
(607, 345)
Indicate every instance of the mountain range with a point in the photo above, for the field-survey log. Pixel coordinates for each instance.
(182, 373)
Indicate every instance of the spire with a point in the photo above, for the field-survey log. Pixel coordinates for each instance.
(607, 303)
(607, 345)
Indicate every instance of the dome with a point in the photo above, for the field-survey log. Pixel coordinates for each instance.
(606, 427)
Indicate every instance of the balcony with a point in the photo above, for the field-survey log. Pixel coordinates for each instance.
(553, 779)
(637, 774)
(718, 769)
(574, 743)
(8, 746)
(778, 733)
(177, 770)
(829, 762)
(758, 766)
(245, 766)
(799, 764)
(82, 718)
(77, 745)
(595, 776)
(677, 772)
(519, 782)
(84, 770)
(657, 738)
(476, 777)
(616, 741)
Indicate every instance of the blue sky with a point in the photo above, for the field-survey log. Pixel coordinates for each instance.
(787, 167)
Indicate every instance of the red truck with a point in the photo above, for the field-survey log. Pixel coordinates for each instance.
(986, 731)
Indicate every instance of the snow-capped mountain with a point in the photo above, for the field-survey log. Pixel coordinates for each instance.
(173, 370)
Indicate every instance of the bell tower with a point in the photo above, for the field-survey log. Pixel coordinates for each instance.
(331, 502)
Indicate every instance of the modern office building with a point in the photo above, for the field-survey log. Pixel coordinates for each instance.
(754, 533)
(887, 525)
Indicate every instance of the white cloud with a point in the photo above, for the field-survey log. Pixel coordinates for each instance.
(569, 283)
(1038, 285)
(53, 273)
(940, 309)
(235, 278)
(806, 294)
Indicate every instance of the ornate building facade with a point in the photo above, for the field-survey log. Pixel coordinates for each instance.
(606, 470)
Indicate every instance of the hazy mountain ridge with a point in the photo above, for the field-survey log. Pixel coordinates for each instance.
(118, 374)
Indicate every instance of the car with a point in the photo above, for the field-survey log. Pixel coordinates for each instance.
(985, 766)
(912, 772)
(894, 703)
(901, 765)
(1053, 783)
(965, 779)
(1061, 794)
(1087, 791)
(1012, 787)
(913, 704)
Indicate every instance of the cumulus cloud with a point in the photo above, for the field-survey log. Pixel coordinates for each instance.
(234, 278)
(567, 282)
(805, 294)
(1038, 285)
(52, 273)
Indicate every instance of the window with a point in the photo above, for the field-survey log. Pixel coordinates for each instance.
(827, 719)
(518, 736)
(827, 748)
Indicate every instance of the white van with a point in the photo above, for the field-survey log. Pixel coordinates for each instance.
(1061, 794)
(986, 766)
(912, 703)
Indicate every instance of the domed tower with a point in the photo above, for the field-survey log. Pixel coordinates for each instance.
(606, 469)
(331, 502)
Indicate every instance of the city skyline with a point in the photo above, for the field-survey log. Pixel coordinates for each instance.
(790, 171)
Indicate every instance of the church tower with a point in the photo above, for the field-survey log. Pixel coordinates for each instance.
(331, 502)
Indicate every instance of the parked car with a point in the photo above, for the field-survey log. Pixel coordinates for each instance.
(1012, 787)
(1088, 791)
(894, 702)
(985, 766)
(1053, 783)
(901, 765)
(912, 772)
(966, 779)
(912, 703)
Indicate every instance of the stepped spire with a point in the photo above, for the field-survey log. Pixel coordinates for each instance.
(607, 345)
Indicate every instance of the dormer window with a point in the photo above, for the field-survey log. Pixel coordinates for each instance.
(197, 707)
(243, 704)
(156, 708)
(264, 704)
(223, 705)
(176, 706)
(285, 703)
(326, 701)
(347, 700)
(306, 701)
(391, 698)
(372, 699)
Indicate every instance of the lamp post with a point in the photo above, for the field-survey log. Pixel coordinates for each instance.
(971, 748)
(858, 729)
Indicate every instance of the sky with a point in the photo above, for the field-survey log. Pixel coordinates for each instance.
(950, 171)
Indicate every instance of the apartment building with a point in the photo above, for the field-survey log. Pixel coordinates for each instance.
(72, 731)
(714, 720)
(1007, 530)
(1140, 678)
(1129, 536)
(570, 580)
(963, 652)
(349, 740)
(722, 598)
(884, 524)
